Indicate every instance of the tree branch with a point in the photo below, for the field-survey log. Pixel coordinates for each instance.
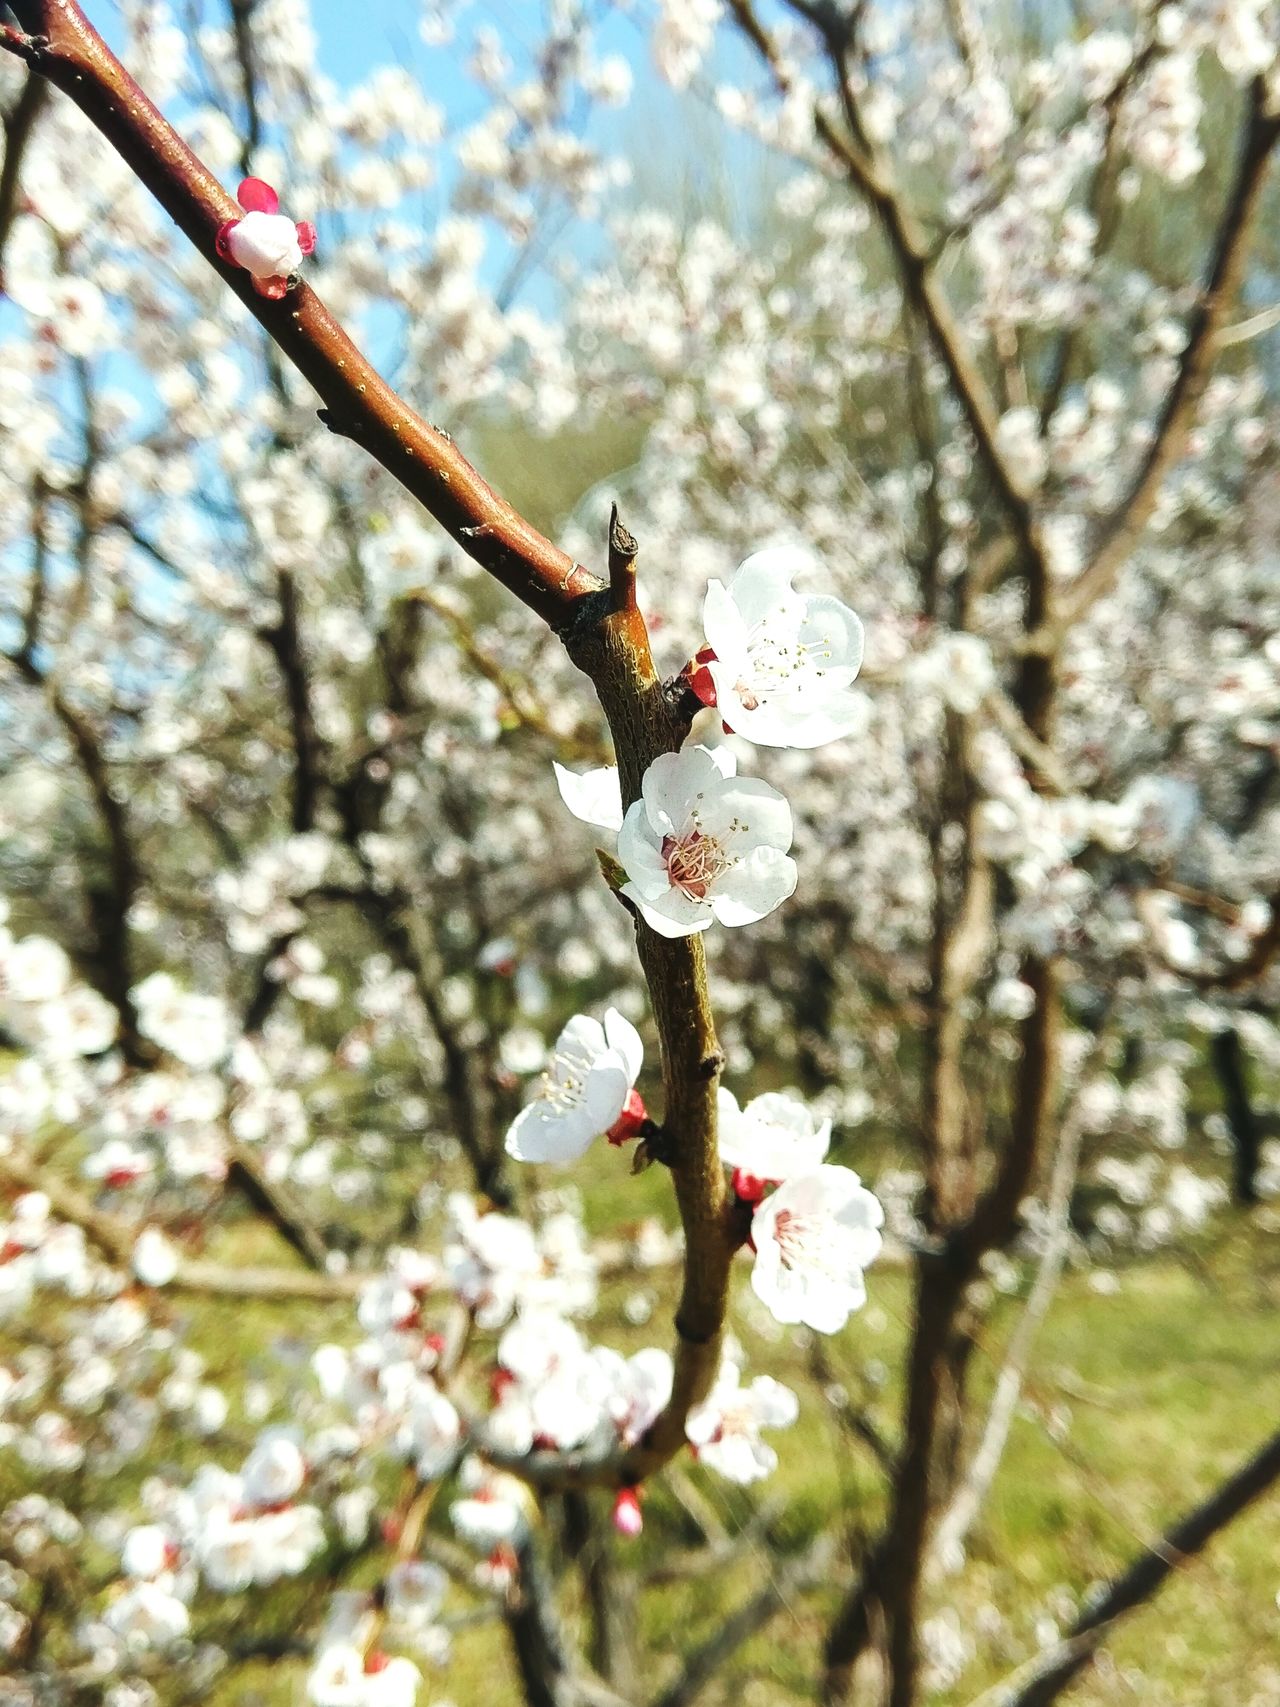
(19, 126)
(954, 1526)
(705, 1662)
(115, 1240)
(1058, 1669)
(1128, 521)
(872, 174)
(58, 43)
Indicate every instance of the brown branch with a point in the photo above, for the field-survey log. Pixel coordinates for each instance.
(1230, 1066)
(1035, 1093)
(108, 907)
(247, 59)
(614, 653)
(706, 1661)
(58, 43)
(1128, 521)
(285, 642)
(1234, 975)
(19, 126)
(581, 744)
(550, 1670)
(115, 1239)
(962, 1511)
(407, 930)
(611, 647)
(622, 563)
(872, 174)
(245, 1170)
(1255, 964)
(1146, 1576)
(1100, 201)
(609, 1594)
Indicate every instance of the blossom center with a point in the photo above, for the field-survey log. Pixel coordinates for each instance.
(564, 1083)
(694, 861)
(805, 1241)
(781, 661)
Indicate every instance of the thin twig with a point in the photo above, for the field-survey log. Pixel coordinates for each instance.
(58, 42)
(1146, 1576)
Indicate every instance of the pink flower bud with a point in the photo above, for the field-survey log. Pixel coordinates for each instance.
(266, 243)
(626, 1512)
(748, 1187)
(698, 675)
(629, 1122)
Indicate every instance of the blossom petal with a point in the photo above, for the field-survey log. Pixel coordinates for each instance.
(606, 1091)
(541, 1133)
(255, 195)
(594, 796)
(754, 887)
(641, 856)
(776, 1406)
(581, 1038)
(763, 580)
(750, 812)
(622, 1036)
(831, 628)
(722, 623)
(674, 915)
(676, 782)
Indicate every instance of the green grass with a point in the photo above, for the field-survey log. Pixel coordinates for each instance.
(1137, 1405)
(1154, 1393)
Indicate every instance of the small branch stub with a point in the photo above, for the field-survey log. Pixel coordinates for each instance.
(612, 870)
(622, 564)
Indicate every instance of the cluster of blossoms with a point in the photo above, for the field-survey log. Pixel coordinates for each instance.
(43, 1005)
(704, 845)
(399, 1391)
(747, 365)
(235, 1531)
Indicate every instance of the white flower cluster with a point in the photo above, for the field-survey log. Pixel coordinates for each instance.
(702, 844)
(42, 1003)
(40, 1252)
(815, 1234)
(260, 900)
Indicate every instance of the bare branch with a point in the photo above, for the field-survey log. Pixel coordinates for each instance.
(872, 174)
(58, 43)
(748, 1620)
(954, 1526)
(1128, 521)
(19, 126)
(284, 639)
(1146, 1576)
(116, 1240)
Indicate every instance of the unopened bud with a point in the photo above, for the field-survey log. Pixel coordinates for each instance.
(626, 1512)
(630, 1121)
(748, 1187)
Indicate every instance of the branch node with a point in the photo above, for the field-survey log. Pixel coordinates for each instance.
(623, 550)
(711, 1066)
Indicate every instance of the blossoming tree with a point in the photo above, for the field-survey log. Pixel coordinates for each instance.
(300, 891)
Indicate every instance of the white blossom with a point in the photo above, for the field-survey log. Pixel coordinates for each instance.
(703, 844)
(155, 1261)
(725, 1428)
(782, 662)
(583, 1092)
(772, 1138)
(813, 1238)
(594, 796)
